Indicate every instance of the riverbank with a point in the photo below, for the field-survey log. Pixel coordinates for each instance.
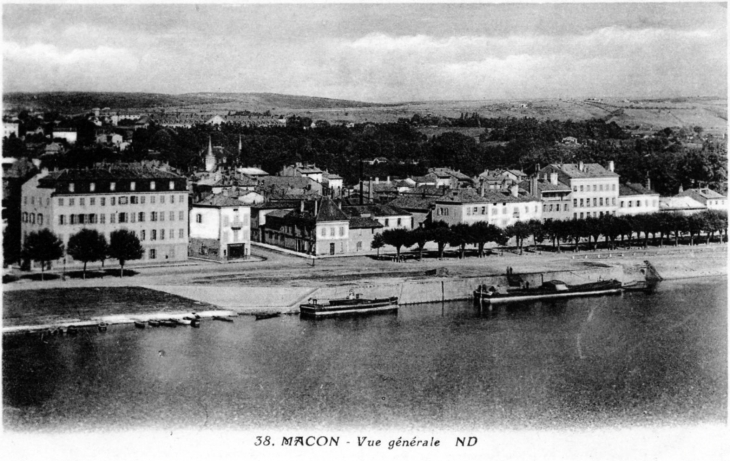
(280, 289)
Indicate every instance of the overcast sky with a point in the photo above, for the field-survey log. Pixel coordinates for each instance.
(379, 53)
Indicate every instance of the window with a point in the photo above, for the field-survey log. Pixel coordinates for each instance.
(71, 202)
(112, 218)
(332, 231)
(132, 185)
(162, 234)
(103, 201)
(575, 202)
(358, 246)
(92, 186)
(551, 208)
(153, 186)
(153, 252)
(172, 253)
(32, 200)
(123, 200)
(102, 218)
(152, 199)
(600, 187)
(387, 222)
(182, 198)
(140, 216)
(82, 201)
(600, 201)
(143, 235)
(342, 231)
(40, 219)
(622, 203)
(73, 219)
(172, 216)
(181, 233)
(484, 210)
(134, 200)
(581, 215)
(324, 232)
(630, 203)
(62, 219)
(400, 218)
(172, 185)
(133, 217)
(112, 186)
(112, 201)
(613, 186)
(504, 210)
(60, 201)
(595, 201)
(48, 201)
(468, 211)
(25, 216)
(226, 221)
(93, 219)
(181, 216)
(71, 187)
(153, 216)
(575, 188)
(172, 199)
(142, 199)
(594, 188)
(199, 218)
(162, 199)
(162, 215)
(581, 202)
(154, 234)
(92, 201)
(25, 200)
(581, 188)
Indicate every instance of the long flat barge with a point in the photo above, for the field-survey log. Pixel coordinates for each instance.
(549, 290)
(352, 305)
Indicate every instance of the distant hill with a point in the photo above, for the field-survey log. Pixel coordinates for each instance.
(283, 101)
(78, 101)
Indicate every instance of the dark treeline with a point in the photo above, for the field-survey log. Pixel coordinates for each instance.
(614, 231)
(507, 143)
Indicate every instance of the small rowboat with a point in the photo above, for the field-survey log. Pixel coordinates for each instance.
(168, 323)
(154, 323)
(195, 323)
(139, 324)
(102, 326)
(223, 319)
(182, 321)
(72, 331)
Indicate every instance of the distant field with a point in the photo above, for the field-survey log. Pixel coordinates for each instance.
(710, 113)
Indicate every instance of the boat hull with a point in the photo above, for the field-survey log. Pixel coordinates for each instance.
(337, 309)
(594, 289)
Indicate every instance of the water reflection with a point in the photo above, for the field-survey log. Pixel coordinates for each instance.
(587, 361)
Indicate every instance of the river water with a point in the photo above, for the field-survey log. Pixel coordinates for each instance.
(630, 359)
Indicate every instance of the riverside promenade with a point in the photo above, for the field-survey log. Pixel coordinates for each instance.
(276, 282)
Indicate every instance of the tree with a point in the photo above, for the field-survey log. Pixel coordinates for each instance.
(377, 243)
(461, 236)
(124, 246)
(520, 231)
(420, 237)
(87, 245)
(538, 231)
(397, 238)
(42, 246)
(11, 244)
(441, 234)
(483, 233)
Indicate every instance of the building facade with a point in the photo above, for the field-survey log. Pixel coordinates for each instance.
(220, 229)
(636, 199)
(594, 189)
(152, 204)
(501, 209)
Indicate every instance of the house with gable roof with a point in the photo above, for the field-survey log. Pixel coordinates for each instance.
(220, 229)
(708, 197)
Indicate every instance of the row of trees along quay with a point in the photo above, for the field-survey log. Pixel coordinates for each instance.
(88, 245)
(632, 230)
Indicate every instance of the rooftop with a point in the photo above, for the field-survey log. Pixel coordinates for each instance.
(634, 189)
(357, 222)
(590, 170)
(219, 201)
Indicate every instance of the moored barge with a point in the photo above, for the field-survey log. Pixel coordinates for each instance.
(548, 290)
(353, 304)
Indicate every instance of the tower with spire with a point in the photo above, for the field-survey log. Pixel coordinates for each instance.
(210, 162)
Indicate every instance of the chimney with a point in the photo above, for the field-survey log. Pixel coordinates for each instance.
(580, 166)
(316, 202)
(553, 178)
(533, 186)
(377, 180)
(610, 166)
(481, 190)
(339, 204)
(648, 182)
(370, 190)
(514, 190)
(388, 180)
(301, 206)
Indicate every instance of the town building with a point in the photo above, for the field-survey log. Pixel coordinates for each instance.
(220, 229)
(391, 217)
(332, 183)
(594, 189)
(151, 203)
(554, 195)
(500, 208)
(419, 206)
(306, 170)
(682, 205)
(11, 128)
(450, 178)
(69, 134)
(636, 199)
(708, 197)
